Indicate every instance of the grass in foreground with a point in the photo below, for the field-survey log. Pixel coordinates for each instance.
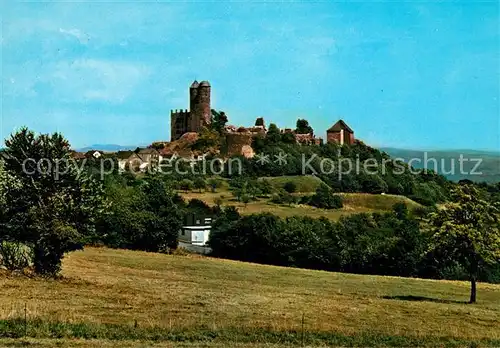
(196, 300)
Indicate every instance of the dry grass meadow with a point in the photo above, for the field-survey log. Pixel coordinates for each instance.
(353, 203)
(228, 303)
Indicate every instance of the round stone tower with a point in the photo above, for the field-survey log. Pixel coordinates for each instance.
(204, 103)
(193, 95)
(199, 103)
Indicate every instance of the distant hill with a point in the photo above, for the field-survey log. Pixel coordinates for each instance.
(107, 147)
(489, 166)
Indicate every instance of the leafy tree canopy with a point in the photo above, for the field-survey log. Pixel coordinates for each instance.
(303, 127)
(467, 230)
(54, 207)
(219, 121)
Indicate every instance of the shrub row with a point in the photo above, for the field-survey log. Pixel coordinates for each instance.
(383, 244)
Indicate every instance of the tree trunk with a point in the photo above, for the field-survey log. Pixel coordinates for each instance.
(472, 289)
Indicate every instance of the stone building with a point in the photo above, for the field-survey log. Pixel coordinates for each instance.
(199, 114)
(140, 159)
(340, 133)
(239, 139)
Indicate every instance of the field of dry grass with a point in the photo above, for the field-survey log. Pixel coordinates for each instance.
(93, 343)
(78, 343)
(147, 290)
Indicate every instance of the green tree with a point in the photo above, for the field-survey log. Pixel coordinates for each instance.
(290, 187)
(8, 185)
(266, 187)
(303, 127)
(54, 208)
(324, 197)
(253, 188)
(373, 183)
(13, 255)
(198, 206)
(287, 198)
(219, 120)
(245, 199)
(208, 138)
(214, 184)
(288, 138)
(200, 183)
(273, 135)
(239, 187)
(186, 185)
(162, 217)
(467, 230)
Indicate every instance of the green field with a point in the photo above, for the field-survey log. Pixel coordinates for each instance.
(304, 183)
(140, 298)
(353, 203)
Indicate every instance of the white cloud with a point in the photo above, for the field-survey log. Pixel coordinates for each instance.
(78, 34)
(76, 81)
(94, 79)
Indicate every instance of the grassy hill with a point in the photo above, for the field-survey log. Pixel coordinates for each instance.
(304, 183)
(353, 202)
(143, 298)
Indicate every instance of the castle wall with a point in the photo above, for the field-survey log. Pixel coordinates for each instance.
(179, 123)
(238, 144)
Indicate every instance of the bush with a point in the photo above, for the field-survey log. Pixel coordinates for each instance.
(56, 239)
(373, 183)
(199, 206)
(283, 197)
(326, 199)
(186, 185)
(266, 187)
(428, 194)
(200, 184)
(15, 256)
(305, 200)
(214, 184)
(245, 198)
(290, 187)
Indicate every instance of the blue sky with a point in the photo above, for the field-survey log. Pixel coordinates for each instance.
(404, 74)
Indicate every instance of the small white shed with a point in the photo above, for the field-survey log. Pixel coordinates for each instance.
(196, 231)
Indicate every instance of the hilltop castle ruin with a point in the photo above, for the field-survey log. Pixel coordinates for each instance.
(199, 114)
